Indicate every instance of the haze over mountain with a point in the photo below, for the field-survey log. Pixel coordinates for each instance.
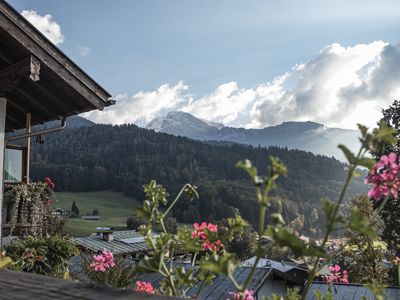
(308, 136)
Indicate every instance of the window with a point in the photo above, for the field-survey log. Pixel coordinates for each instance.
(13, 165)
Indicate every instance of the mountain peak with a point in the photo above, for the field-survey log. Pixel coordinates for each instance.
(181, 123)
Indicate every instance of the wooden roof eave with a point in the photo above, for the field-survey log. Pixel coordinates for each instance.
(48, 54)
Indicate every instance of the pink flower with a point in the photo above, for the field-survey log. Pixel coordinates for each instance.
(384, 178)
(336, 275)
(144, 287)
(212, 227)
(246, 295)
(47, 179)
(200, 233)
(103, 261)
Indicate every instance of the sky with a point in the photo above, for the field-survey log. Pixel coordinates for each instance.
(243, 63)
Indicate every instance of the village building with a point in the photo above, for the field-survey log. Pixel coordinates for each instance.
(127, 243)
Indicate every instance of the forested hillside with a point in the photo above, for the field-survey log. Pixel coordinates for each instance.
(123, 158)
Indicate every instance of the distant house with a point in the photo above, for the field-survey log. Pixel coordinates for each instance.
(91, 217)
(58, 212)
(350, 291)
(297, 273)
(127, 243)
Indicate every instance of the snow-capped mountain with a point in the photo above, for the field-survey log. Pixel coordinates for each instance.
(308, 136)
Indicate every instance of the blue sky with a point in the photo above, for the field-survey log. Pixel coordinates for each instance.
(231, 61)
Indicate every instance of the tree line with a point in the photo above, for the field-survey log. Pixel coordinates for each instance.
(123, 158)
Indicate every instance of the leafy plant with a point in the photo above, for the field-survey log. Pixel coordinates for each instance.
(31, 205)
(47, 255)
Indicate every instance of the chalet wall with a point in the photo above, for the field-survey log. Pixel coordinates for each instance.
(3, 103)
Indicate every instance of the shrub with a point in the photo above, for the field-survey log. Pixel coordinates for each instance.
(134, 222)
(48, 255)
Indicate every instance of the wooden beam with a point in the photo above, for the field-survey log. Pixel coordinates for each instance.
(10, 76)
(28, 147)
(3, 109)
(49, 55)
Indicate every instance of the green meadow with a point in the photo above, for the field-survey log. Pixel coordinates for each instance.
(114, 209)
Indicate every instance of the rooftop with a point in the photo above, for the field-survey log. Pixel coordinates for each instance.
(221, 285)
(124, 242)
(269, 263)
(350, 291)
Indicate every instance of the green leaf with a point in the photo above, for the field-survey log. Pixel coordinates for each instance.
(150, 264)
(349, 155)
(284, 238)
(5, 261)
(363, 129)
(369, 163)
(248, 167)
(359, 223)
(277, 166)
(220, 264)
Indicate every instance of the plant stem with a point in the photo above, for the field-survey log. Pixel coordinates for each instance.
(332, 220)
(194, 259)
(175, 200)
(202, 285)
(261, 225)
(382, 205)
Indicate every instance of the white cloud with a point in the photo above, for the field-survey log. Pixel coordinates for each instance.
(222, 105)
(46, 25)
(142, 107)
(84, 50)
(340, 87)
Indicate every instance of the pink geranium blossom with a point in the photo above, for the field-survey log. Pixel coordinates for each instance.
(144, 287)
(336, 276)
(103, 261)
(384, 178)
(203, 233)
(246, 295)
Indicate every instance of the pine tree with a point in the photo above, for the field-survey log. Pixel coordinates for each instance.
(74, 210)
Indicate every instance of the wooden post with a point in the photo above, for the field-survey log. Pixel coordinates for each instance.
(28, 147)
(3, 104)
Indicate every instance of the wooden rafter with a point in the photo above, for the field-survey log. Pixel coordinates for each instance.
(11, 76)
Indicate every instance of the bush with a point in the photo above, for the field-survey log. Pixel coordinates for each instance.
(134, 222)
(48, 255)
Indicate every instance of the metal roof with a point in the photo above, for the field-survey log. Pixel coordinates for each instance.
(269, 263)
(117, 246)
(221, 285)
(350, 291)
(37, 78)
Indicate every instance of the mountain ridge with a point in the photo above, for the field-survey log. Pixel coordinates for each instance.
(307, 136)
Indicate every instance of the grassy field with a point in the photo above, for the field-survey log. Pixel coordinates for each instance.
(114, 209)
